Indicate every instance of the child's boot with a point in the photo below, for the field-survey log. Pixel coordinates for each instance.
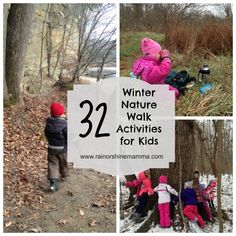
(53, 185)
(194, 226)
(136, 216)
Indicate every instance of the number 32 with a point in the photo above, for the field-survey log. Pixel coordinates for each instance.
(90, 124)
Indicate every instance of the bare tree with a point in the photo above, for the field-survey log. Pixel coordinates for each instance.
(42, 46)
(49, 38)
(5, 11)
(104, 58)
(218, 124)
(18, 30)
(94, 28)
(60, 50)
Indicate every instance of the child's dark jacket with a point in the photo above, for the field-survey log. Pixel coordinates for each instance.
(56, 133)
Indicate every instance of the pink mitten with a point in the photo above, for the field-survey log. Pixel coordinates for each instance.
(164, 54)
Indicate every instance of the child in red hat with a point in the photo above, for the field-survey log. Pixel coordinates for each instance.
(56, 134)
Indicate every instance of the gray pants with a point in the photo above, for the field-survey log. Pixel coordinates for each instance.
(57, 164)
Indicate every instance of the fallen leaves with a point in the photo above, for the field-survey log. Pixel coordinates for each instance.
(98, 204)
(104, 200)
(7, 224)
(92, 223)
(62, 222)
(6, 213)
(70, 193)
(25, 154)
(81, 213)
(35, 230)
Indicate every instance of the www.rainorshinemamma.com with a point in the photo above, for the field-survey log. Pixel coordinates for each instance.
(120, 157)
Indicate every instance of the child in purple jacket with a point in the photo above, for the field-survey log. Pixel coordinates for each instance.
(155, 64)
(189, 198)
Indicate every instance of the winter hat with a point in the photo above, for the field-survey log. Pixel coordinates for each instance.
(57, 109)
(142, 176)
(213, 183)
(149, 47)
(163, 179)
(202, 186)
(188, 184)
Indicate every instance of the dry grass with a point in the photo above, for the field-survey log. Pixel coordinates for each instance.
(217, 102)
(202, 39)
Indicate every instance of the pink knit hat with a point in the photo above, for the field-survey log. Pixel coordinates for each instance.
(149, 47)
(163, 179)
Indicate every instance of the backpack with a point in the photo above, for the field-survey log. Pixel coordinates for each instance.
(180, 80)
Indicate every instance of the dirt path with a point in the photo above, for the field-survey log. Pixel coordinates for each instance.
(85, 202)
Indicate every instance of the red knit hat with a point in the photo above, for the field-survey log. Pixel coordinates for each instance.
(57, 109)
(163, 179)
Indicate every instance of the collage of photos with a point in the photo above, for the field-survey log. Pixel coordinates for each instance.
(48, 48)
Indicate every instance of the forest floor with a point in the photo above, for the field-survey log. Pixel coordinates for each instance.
(217, 102)
(127, 225)
(85, 202)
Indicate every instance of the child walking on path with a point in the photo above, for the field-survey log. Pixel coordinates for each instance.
(56, 134)
(164, 190)
(155, 65)
(144, 189)
(189, 198)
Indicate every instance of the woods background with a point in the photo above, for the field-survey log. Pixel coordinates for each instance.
(49, 45)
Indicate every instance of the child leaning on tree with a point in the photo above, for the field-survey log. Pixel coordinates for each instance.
(144, 189)
(56, 134)
(164, 191)
(210, 194)
(189, 199)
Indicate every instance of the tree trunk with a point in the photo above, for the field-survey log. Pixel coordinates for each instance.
(218, 142)
(49, 39)
(180, 170)
(184, 150)
(5, 11)
(132, 190)
(41, 50)
(18, 29)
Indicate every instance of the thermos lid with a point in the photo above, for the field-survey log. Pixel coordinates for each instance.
(204, 70)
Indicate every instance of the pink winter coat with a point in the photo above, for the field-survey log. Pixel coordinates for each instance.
(210, 192)
(205, 204)
(142, 183)
(153, 71)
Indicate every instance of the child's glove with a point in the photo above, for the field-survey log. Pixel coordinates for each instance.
(164, 54)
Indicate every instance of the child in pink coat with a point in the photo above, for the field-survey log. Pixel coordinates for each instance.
(205, 203)
(144, 189)
(155, 65)
(210, 194)
(164, 190)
